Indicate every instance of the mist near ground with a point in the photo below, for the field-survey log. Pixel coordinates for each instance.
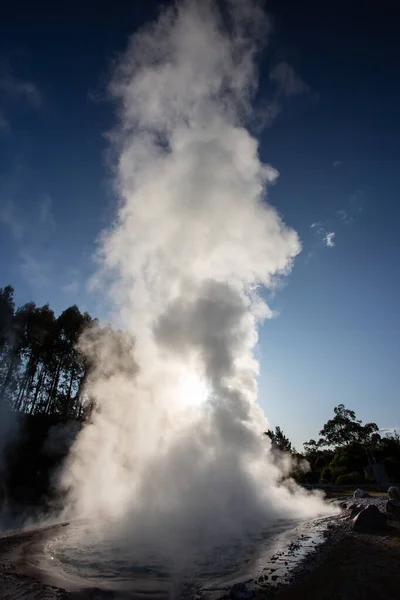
(174, 456)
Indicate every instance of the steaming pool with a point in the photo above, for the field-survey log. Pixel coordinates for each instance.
(70, 556)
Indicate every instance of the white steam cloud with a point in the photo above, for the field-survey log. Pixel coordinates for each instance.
(193, 240)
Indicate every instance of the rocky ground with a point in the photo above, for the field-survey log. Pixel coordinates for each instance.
(351, 566)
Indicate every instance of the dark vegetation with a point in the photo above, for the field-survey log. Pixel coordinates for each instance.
(41, 370)
(42, 378)
(346, 452)
(43, 405)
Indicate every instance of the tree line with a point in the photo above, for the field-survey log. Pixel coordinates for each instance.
(41, 370)
(346, 451)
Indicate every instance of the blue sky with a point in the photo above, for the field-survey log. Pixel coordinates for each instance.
(335, 143)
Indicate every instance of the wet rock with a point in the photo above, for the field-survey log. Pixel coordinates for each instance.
(394, 495)
(343, 505)
(357, 508)
(393, 505)
(240, 591)
(368, 520)
(392, 509)
(361, 494)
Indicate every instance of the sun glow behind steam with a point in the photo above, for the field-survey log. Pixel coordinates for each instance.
(193, 389)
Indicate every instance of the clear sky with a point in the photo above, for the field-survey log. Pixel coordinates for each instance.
(334, 140)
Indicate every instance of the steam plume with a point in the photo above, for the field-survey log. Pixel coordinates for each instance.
(193, 240)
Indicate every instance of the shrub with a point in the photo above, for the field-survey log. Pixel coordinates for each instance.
(350, 478)
(326, 475)
(320, 462)
(393, 468)
(330, 473)
(338, 471)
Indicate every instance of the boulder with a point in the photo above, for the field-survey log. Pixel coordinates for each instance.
(394, 495)
(361, 494)
(240, 591)
(393, 505)
(356, 509)
(368, 520)
(392, 509)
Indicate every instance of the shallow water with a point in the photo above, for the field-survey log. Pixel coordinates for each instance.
(75, 558)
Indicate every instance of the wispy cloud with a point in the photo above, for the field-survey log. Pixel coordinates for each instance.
(286, 84)
(71, 287)
(73, 281)
(316, 224)
(20, 89)
(30, 232)
(337, 163)
(325, 230)
(357, 201)
(354, 206)
(266, 114)
(287, 80)
(46, 216)
(16, 90)
(328, 239)
(20, 226)
(35, 270)
(324, 237)
(9, 217)
(344, 216)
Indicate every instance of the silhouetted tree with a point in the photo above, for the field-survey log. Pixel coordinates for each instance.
(41, 369)
(7, 308)
(343, 451)
(344, 429)
(67, 365)
(279, 440)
